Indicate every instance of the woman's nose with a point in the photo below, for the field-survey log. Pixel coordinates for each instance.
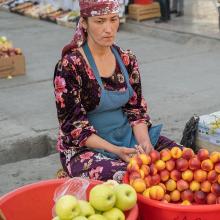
(108, 27)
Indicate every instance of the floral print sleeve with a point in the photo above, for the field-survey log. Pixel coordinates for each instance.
(74, 127)
(136, 108)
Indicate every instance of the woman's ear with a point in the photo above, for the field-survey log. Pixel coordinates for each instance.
(83, 23)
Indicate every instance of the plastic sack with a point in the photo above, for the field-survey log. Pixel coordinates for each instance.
(189, 133)
(75, 186)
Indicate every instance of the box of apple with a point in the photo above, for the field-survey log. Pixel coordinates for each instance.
(6, 48)
(106, 201)
(176, 176)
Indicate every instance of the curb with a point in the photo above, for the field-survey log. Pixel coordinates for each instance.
(162, 33)
(26, 146)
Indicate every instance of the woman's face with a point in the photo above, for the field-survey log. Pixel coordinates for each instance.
(102, 29)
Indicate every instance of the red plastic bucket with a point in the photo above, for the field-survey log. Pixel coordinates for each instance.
(155, 210)
(143, 2)
(35, 201)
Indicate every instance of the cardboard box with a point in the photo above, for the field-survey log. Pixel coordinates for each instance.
(12, 66)
(144, 12)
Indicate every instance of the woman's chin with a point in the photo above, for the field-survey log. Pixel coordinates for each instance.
(106, 42)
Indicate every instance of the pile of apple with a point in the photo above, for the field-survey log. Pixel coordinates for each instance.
(177, 176)
(6, 48)
(107, 201)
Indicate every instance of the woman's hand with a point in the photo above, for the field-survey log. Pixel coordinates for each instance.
(125, 153)
(144, 148)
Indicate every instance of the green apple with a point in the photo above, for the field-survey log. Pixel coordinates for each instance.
(114, 214)
(3, 39)
(97, 217)
(67, 207)
(80, 217)
(102, 197)
(111, 183)
(86, 208)
(56, 218)
(98, 212)
(126, 197)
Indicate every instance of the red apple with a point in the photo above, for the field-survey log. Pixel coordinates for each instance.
(200, 197)
(154, 155)
(203, 154)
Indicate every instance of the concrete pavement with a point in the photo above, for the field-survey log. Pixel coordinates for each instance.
(180, 77)
(201, 18)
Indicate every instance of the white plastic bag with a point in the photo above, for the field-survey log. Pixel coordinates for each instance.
(209, 128)
(74, 186)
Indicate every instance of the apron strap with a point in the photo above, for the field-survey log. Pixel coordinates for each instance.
(121, 65)
(95, 69)
(92, 63)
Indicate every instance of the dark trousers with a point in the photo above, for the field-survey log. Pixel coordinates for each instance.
(164, 9)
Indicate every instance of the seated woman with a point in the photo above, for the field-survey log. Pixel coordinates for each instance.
(101, 111)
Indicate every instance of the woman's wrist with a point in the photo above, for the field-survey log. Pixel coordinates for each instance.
(114, 149)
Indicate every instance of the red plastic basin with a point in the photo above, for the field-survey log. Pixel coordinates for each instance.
(143, 2)
(155, 210)
(35, 201)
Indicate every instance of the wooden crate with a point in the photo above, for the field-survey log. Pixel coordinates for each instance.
(144, 12)
(12, 66)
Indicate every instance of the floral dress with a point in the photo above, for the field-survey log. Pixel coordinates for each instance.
(78, 92)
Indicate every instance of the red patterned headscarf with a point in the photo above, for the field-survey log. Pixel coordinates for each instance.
(89, 8)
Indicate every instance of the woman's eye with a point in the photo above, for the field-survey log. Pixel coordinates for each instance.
(116, 19)
(100, 21)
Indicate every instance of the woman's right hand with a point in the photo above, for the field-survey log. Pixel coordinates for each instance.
(125, 153)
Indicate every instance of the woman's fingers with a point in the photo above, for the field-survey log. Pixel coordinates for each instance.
(148, 150)
(128, 150)
(127, 158)
(132, 151)
(140, 149)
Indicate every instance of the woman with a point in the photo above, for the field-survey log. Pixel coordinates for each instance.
(102, 115)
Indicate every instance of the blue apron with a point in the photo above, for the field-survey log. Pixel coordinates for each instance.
(108, 118)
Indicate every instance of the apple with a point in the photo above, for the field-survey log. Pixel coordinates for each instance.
(135, 160)
(187, 153)
(200, 197)
(102, 197)
(145, 169)
(134, 175)
(139, 185)
(131, 167)
(86, 208)
(146, 193)
(203, 154)
(97, 217)
(145, 158)
(111, 183)
(114, 214)
(211, 198)
(186, 202)
(218, 200)
(80, 217)
(154, 155)
(98, 212)
(126, 197)
(156, 192)
(56, 218)
(67, 207)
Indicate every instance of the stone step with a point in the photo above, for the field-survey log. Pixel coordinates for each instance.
(14, 175)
